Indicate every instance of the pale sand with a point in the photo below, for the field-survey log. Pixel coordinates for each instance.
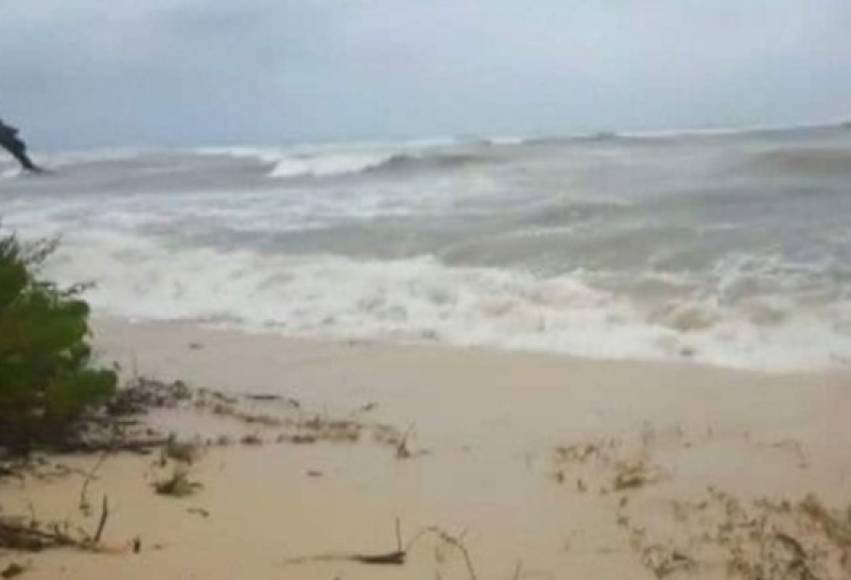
(491, 423)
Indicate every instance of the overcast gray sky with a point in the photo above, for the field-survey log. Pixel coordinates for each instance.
(80, 73)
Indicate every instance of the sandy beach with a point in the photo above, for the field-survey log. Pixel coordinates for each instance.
(425, 290)
(543, 466)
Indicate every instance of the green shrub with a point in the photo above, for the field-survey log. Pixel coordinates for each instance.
(46, 380)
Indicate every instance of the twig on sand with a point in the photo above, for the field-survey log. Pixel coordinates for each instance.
(395, 557)
(459, 545)
(104, 514)
(398, 556)
(402, 451)
(33, 536)
(84, 501)
(28, 537)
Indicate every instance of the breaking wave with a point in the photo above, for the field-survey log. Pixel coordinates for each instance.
(421, 299)
(333, 164)
(330, 161)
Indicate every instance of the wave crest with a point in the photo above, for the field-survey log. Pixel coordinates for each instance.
(335, 164)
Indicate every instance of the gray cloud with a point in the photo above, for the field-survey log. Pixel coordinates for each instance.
(92, 72)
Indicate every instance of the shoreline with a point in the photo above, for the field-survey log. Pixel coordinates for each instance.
(531, 453)
(341, 375)
(106, 328)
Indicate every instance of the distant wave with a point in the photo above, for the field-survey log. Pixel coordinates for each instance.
(805, 160)
(65, 158)
(567, 139)
(334, 164)
(307, 161)
(336, 159)
(263, 154)
(327, 164)
(504, 141)
(408, 162)
(328, 160)
(671, 134)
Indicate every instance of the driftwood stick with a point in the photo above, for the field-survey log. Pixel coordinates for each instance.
(402, 451)
(453, 541)
(30, 538)
(389, 558)
(398, 556)
(104, 514)
(19, 536)
(394, 558)
(84, 502)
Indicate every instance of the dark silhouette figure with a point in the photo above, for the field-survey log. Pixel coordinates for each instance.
(10, 141)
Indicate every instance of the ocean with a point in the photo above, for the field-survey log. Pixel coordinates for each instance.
(728, 248)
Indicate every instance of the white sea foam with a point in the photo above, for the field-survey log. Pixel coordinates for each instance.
(324, 164)
(423, 300)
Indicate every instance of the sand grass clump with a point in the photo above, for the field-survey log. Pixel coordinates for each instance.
(177, 485)
(183, 451)
(755, 540)
(631, 476)
(665, 561)
(613, 465)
